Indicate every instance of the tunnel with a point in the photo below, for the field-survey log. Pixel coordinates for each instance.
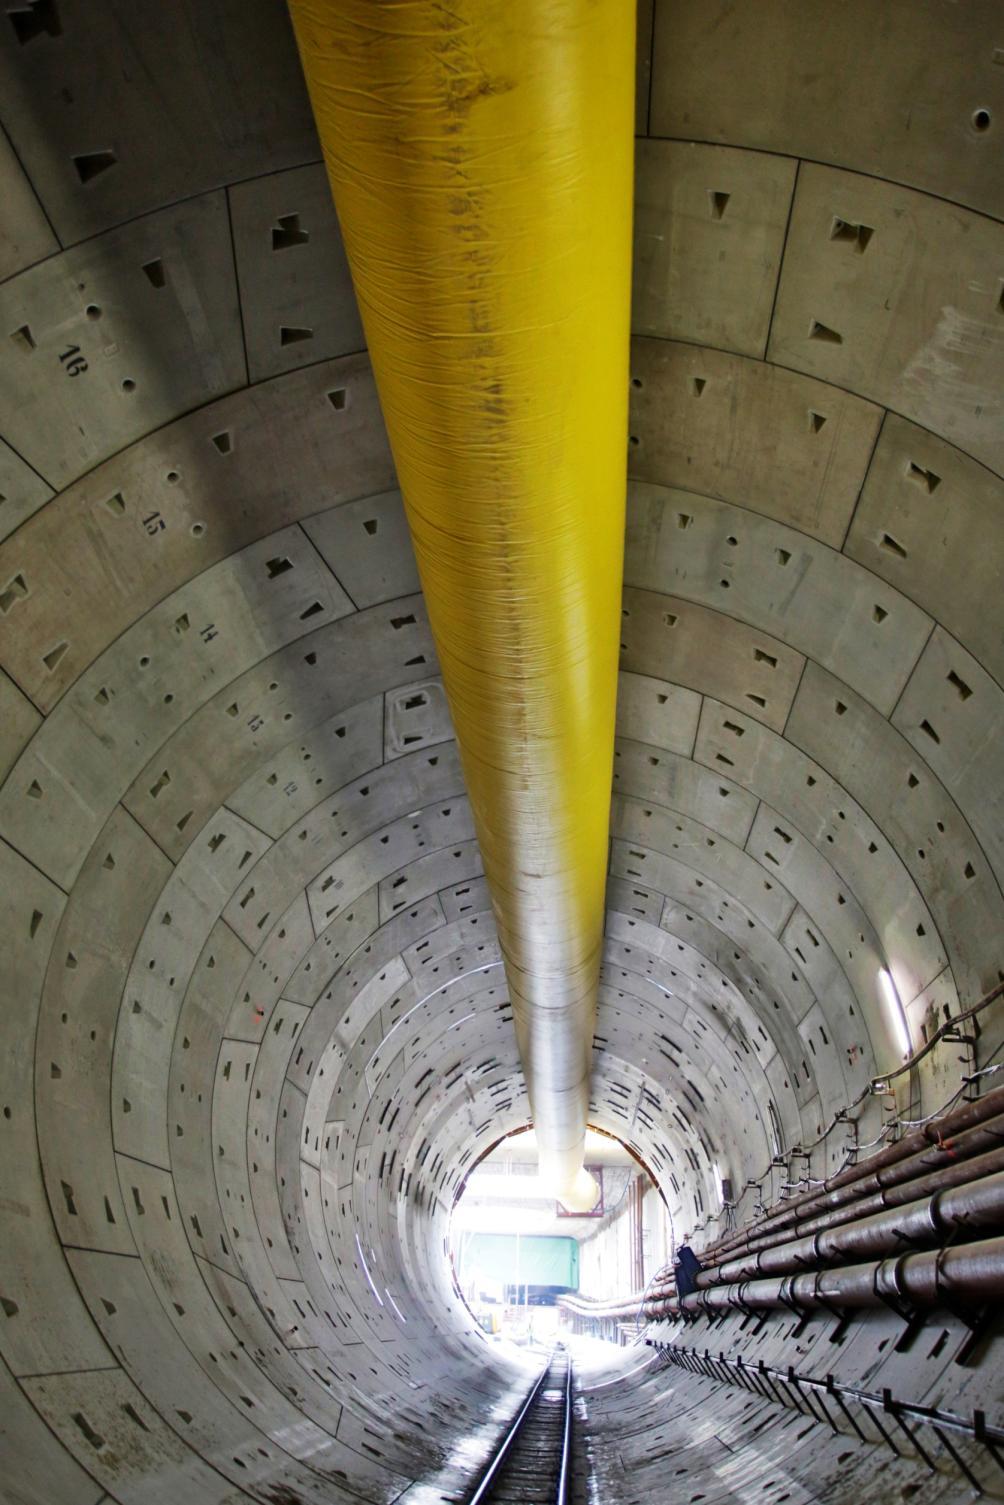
(257, 1030)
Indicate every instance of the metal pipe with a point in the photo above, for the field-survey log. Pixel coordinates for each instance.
(480, 157)
(976, 1205)
(970, 1272)
(956, 1173)
(946, 1163)
(944, 1134)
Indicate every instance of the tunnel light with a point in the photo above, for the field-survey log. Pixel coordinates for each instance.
(366, 1271)
(394, 1304)
(895, 1011)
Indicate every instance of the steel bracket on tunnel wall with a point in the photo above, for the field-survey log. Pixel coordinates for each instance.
(841, 1318)
(887, 1289)
(979, 1322)
(759, 1318)
(802, 1316)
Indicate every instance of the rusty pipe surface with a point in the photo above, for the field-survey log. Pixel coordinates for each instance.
(951, 1160)
(896, 1186)
(976, 1205)
(480, 155)
(950, 1163)
(941, 1134)
(968, 1272)
(893, 1189)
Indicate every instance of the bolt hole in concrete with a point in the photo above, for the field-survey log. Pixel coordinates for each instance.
(982, 119)
(532, 1273)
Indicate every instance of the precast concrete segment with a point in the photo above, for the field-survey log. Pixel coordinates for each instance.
(484, 195)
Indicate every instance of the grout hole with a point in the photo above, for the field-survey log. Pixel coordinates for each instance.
(33, 20)
(94, 1438)
(921, 477)
(824, 333)
(52, 658)
(856, 235)
(286, 232)
(91, 165)
(12, 592)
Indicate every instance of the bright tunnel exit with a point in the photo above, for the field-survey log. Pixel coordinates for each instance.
(530, 1270)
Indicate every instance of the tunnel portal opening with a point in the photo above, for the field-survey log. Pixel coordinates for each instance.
(528, 1269)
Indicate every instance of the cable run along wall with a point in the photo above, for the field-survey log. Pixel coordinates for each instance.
(480, 157)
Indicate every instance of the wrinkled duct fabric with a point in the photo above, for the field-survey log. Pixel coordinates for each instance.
(480, 156)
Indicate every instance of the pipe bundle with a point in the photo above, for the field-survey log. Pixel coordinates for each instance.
(942, 1184)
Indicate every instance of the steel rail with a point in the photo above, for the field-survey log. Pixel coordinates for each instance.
(561, 1495)
(483, 1491)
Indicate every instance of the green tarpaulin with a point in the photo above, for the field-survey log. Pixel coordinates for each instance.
(537, 1261)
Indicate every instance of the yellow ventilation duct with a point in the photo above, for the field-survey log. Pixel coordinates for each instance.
(480, 156)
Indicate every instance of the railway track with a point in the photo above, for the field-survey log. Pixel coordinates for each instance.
(532, 1464)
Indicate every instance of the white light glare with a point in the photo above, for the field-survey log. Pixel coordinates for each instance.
(895, 1010)
(395, 1305)
(366, 1271)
